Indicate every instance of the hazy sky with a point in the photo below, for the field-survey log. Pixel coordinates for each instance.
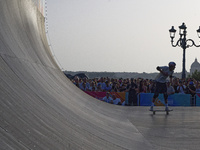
(121, 35)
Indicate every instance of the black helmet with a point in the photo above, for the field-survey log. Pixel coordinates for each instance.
(172, 63)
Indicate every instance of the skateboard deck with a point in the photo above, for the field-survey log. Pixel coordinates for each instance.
(159, 110)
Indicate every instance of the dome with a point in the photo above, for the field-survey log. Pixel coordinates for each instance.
(195, 64)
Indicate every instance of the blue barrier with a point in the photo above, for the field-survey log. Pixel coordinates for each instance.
(145, 99)
(197, 99)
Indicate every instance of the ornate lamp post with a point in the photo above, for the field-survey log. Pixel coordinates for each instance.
(183, 42)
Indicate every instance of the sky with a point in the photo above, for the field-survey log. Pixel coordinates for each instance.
(121, 35)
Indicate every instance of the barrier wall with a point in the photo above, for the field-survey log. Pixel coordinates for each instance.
(173, 100)
(197, 99)
(145, 99)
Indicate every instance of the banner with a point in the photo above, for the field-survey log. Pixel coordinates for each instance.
(101, 95)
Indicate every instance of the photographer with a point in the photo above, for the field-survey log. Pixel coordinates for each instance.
(181, 88)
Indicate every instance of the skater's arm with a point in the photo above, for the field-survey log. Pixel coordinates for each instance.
(161, 71)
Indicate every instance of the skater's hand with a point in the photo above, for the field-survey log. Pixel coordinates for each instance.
(164, 73)
(158, 68)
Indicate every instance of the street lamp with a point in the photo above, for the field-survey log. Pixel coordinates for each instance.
(183, 42)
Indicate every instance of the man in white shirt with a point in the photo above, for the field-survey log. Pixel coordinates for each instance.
(170, 89)
(161, 87)
(181, 88)
(84, 85)
(116, 100)
(107, 98)
(102, 83)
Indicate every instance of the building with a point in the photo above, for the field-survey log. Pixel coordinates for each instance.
(195, 66)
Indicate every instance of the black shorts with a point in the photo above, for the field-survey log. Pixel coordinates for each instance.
(160, 88)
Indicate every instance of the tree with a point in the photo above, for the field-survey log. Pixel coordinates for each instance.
(195, 75)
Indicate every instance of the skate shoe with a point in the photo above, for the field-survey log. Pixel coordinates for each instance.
(151, 108)
(166, 109)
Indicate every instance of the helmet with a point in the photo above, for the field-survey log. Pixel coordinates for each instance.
(172, 63)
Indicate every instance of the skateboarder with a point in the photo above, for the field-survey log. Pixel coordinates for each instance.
(161, 87)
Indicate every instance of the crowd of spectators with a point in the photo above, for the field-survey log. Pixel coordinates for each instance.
(183, 86)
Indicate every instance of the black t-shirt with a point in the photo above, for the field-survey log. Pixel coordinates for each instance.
(175, 88)
(132, 87)
(192, 87)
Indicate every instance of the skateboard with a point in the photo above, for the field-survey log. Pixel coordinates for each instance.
(159, 110)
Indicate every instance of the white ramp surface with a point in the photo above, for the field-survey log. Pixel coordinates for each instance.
(40, 109)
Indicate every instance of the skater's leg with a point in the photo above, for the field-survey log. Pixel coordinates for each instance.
(153, 100)
(166, 101)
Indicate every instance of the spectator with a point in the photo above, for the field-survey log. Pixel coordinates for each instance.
(170, 89)
(148, 86)
(122, 87)
(84, 87)
(108, 87)
(192, 91)
(76, 81)
(181, 88)
(138, 82)
(142, 87)
(152, 86)
(198, 87)
(99, 89)
(132, 95)
(115, 87)
(115, 100)
(102, 83)
(107, 98)
(84, 84)
(93, 89)
(92, 86)
(175, 85)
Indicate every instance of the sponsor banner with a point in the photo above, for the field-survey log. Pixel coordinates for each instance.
(101, 95)
(173, 100)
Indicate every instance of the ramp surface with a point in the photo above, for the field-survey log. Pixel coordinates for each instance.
(41, 109)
